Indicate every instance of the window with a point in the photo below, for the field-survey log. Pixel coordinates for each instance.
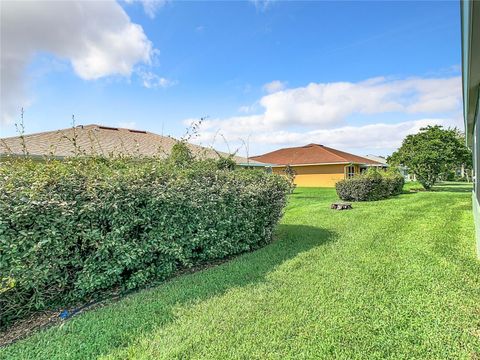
(350, 171)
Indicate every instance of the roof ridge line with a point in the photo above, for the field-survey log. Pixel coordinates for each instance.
(359, 156)
(331, 152)
(49, 131)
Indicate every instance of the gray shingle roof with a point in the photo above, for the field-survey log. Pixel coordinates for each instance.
(101, 140)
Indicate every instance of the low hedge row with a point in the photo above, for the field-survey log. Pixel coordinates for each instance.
(372, 185)
(70, 231)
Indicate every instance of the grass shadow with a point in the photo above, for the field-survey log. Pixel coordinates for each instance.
(410, 192)
(458, 183)
(453, 187)
(459, 187)
(121, 323)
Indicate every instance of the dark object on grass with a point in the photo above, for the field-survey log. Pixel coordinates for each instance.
(64, 315)
(341, 206)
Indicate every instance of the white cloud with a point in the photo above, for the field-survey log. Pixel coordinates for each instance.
(149, 6)
(262, 5)
(151, 80)
(274, 86)
(330, 104)
(371, 136)
(127, 124)
(244, 109)
(320, 112)
(382, 138)
(96, 37)
(327, 104)
(248, 109)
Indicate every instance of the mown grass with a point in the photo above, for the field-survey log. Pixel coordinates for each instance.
(394, 279)
(413, 186)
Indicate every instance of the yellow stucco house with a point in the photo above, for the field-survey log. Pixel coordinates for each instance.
(316, 165)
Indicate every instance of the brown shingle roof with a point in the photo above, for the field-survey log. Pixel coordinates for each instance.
(311, 154)
(100, 140)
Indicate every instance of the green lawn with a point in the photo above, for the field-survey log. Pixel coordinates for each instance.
(390, 279)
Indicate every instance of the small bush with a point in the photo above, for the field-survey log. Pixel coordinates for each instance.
(394, 181)
(372, 185)
(73, 230)
(181, 155)
(226, 163)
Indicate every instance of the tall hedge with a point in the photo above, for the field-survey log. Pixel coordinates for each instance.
(372, 185)
(70, 231)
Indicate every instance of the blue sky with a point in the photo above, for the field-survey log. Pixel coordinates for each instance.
(353, 75)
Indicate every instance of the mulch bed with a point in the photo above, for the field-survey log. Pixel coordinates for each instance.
(44, 319)
(24, 327)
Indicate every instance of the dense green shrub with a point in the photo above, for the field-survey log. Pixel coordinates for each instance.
(73, 230)
(181, 155)
(372, 185)
(226, 163)
(394, 181)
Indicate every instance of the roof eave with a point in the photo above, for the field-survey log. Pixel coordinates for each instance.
(470, 15)
(31, 156)
(330, 163)
(255, 164)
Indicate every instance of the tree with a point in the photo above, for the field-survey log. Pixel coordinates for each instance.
(432, 152)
